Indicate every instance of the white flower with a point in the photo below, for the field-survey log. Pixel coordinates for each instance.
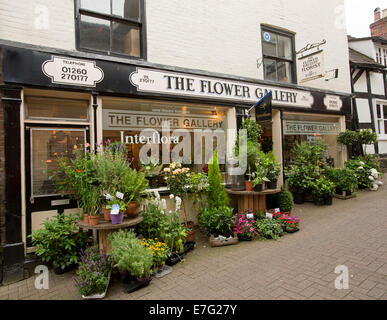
(157, 195)
(371, 178)
(362, 163)
(374, 173)
(171, 196)
(178, 203)
(360, 168)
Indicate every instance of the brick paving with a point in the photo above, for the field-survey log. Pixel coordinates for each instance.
(298, 266)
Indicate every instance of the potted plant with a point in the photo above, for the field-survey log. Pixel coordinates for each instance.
(160, 252)
(259, 178)
(218, 224)
(268, 228)
(323, 190)
(344, 179)
(134, 185)
(93, 274)
(244, 226)
(133, 260)
(273, 170)
(284, 200)
(91, 202)
(152, 171)
(59, 242)
(117, 207)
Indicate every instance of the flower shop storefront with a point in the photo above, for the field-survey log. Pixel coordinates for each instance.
(57, 103)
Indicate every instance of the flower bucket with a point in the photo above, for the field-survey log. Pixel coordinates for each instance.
(258, 188)
(117, 218)
(93, 220)
(86, 218)
(272, 184)
(106, 214)
(133, 209)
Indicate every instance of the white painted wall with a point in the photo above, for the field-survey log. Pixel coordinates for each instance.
(361, 84)
(213, 35)
(363, 110)
(47, 23)
(377, 83)
(365, 47)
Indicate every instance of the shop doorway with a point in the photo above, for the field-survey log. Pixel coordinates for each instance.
(44, 145)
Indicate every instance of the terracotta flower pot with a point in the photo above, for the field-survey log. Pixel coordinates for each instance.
(133, 209)
(106, 213)
(249, 186)
(191, 232)
(94, 220)
(86, 218)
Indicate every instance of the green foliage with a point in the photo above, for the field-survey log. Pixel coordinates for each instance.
(129, 254)
(254, 132)
(134, 184)
(93, 274)
(216, 195)
(260, 176)
(268, 228)
(366, 169)
(272, 166)
(172, 232)
(284, 200)
(58, 241)
(322, 187)
(154, 218)
(345, 179)
(217, 220)
(91, 200)
(358, 137)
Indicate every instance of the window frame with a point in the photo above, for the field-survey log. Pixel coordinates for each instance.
(283, 33)
(383, 106)
(141, 24)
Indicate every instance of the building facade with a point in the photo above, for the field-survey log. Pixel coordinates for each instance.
(368, 63)
(87, 71)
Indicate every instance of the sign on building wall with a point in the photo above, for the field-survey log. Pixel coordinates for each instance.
(292, 127)
(311, 66)
(72, 71)
(333, 103)
(156, 81)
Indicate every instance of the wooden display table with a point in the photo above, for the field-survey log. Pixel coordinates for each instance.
(104, 228)
(255, 201)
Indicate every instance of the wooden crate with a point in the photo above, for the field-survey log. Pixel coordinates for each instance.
(220, 243)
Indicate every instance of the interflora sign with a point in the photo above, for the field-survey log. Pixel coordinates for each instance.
(311, 66)
(157, 81)
(292, 127)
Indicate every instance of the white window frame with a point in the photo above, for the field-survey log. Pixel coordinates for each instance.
(383, 134)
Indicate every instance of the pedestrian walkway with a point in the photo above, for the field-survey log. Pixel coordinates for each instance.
(298, 266)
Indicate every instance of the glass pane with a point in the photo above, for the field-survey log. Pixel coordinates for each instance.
(46, 146)
(385, 127)
(270, 69)
(380, 126)
(102, 6)
(126, 39)
(127, 9)
(43, 108)
(95, 33)
(269, 43)
(385, 111)
(284, 71)
(285, 48)
(379, 114)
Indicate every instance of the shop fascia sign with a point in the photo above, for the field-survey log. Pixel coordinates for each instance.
(157, 81)
(310, 128)
(311, 66)
(62, 70)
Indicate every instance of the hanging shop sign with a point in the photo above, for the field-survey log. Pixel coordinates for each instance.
(157, 81)
(135, 120)
(333, 103)
(311, 66)
(72, 71)
(292, 127)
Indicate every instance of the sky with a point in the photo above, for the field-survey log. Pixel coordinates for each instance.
(360, 14)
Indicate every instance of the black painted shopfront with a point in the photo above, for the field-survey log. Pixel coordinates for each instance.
(56, 101)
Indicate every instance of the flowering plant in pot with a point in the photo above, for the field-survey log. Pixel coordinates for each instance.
(244, 226)
(322, 190)
(259, 178)
(160, 252)
(273, 169)
(268, 228)
(93, 274)
(117, 207)
(152, 170)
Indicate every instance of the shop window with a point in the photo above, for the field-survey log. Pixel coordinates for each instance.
(113, 27)
(278, 55)
(381, 55)
(60, 109)
(131, 121)
(381, 111)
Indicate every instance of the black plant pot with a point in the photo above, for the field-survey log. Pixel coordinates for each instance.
(348, 193)
(298, 198)
(292, 230)
(132, 284)
(188, 246)
(319, 202)
(272, 184)
(328, 200)
(339, 191)
(258, 187)
(174, 258)
(59, 270)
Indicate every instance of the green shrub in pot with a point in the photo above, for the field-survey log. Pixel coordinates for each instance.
(284, 200)
(268, 228)
(344, 178)
(322, 188)
(58, 241)
(217, 221)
